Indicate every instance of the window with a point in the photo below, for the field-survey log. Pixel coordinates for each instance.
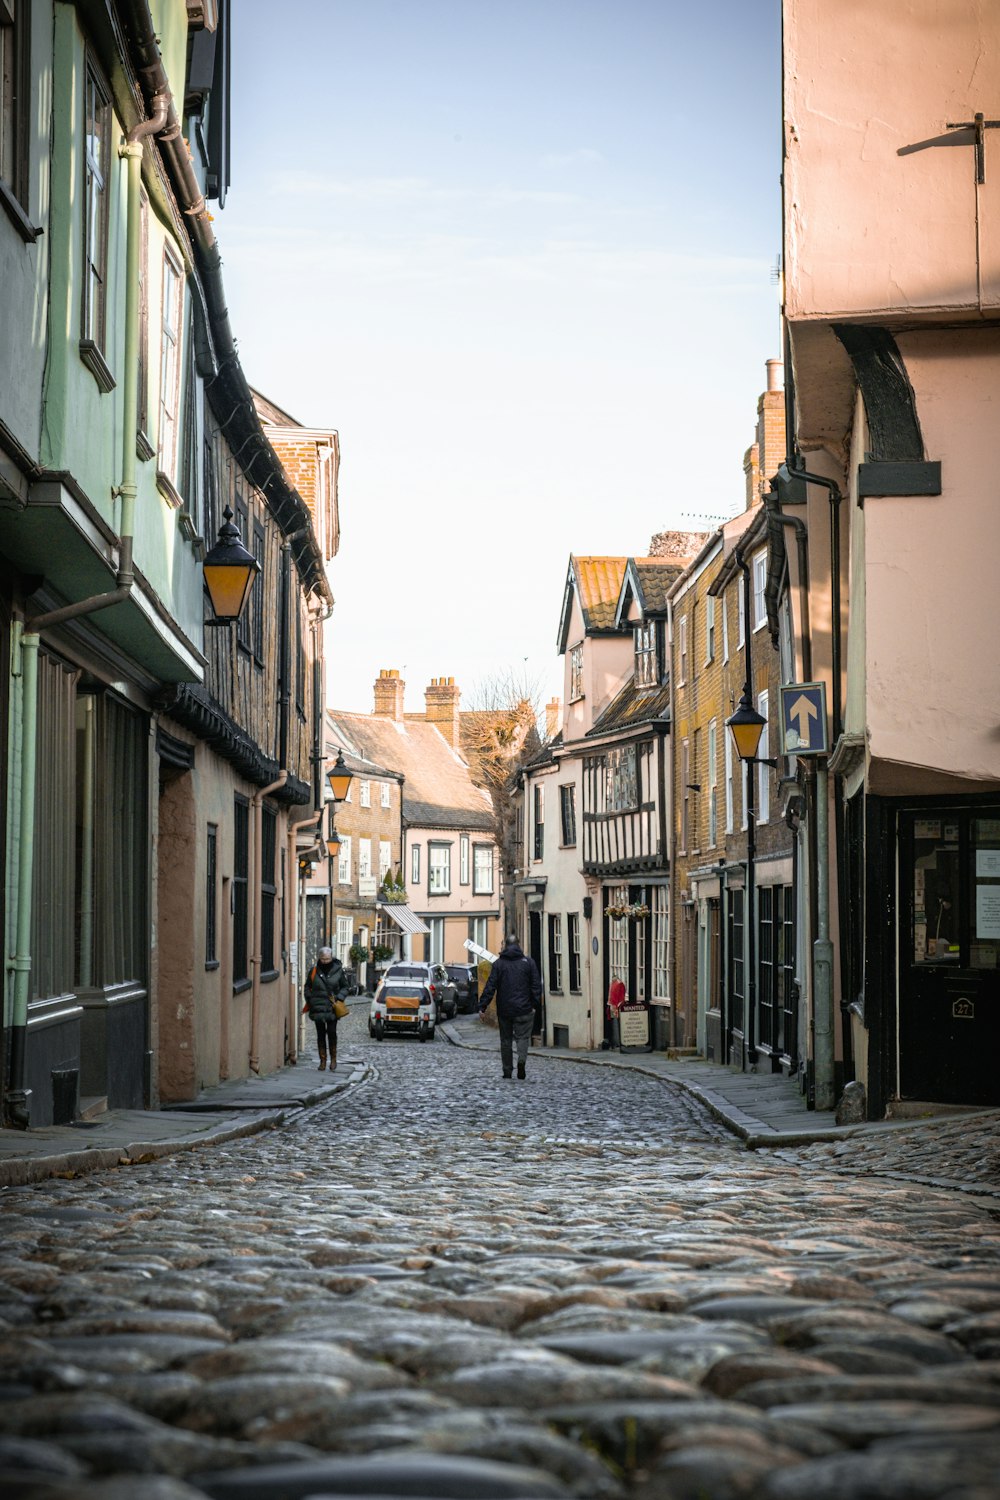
(257, 603)
(241, 871)
(725, 630)
(268, 888)
(759, 584)
(539, 800)
(345, 938)
(384, 791)
(439, 869)
(344, 862)
(170, 364)
(479, 931)
(696, 788)
(660, 936)
(555, 952)
(730, 785)
(763, 772)
(622, 791)
(617, 945)
(364, 859)
(736, 959)
(682, 649)
(482, 879)
(15, 101)
(143, 446)
(712, 779)
(244, 625)
(366, 794)
(415, 865)
(710, 628)
(646, 665)
(685, 792)
(573, 935)
(463, 859)
(741, 612)
(384, 858)
(96, 156)
(435, 940)
(576, 673)
(212, 897)
(567, 815)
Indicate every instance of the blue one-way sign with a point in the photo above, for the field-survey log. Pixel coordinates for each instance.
(803, 719)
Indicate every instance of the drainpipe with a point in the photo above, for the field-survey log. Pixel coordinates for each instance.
(294, 917)
(27, 637)
(257, 819)
(750, 1015)
(87, 848)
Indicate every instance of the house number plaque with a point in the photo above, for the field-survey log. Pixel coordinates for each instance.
(963, 1010)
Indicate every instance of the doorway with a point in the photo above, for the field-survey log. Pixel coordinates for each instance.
(949, 955)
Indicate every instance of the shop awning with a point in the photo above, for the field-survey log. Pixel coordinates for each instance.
(405, 918)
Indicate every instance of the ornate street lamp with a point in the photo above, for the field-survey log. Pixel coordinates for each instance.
(746, 726)
(332, 837)
(229, 571)
(340, 778)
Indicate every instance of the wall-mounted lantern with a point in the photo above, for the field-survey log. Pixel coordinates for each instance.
(340, 778)
(229, 571)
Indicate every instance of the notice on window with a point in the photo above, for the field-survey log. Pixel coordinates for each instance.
(988, 864)
(927, 828)
(988, 911)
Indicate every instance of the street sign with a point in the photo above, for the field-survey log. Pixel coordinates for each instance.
(803, 719)
(480, 952)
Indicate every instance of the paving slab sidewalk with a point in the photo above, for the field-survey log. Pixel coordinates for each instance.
(762, 1109)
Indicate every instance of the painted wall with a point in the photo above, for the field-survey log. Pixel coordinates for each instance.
(868, 228)
(932, 667)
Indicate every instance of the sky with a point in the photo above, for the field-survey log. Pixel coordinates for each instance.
(519, 253)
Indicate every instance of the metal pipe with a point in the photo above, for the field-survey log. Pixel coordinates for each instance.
(750, 1019)
(823, 949)
(257, 820)
(25, 659)
(87, 847)
(835, 497)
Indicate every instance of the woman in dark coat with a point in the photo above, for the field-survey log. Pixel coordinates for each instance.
(325, 982)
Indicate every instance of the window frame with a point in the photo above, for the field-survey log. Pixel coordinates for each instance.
(759, 566)
(567, 814)
(576, 672)
(646, 654)
(15, 115)
(212, 960)
(171, 361)
(96, 212)
(364, 858)
(344, 861)
(712, 751)
(709, 628)
(555, 952)
(682, 650)
(438, 860)
(573, 953)
(385, 794)
(364, 794)
(241, 892)
(268, 890)
(481, 853)
(415, 864)
(538, 821)
(762, 812)
(463, 859)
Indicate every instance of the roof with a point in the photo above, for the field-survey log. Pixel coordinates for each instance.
(270, 412)
(596, 583)
(649, 580)
(438, 790)
(633, 706)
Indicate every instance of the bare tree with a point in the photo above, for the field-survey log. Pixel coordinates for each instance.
(499, 735)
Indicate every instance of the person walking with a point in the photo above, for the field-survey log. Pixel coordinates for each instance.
(517, 984)
(326, 983)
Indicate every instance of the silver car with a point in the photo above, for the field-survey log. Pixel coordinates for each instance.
(435, 977)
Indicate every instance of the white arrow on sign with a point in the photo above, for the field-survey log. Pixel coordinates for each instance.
(802, 710)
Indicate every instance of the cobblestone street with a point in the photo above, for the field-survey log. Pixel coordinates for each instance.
(446, 1284)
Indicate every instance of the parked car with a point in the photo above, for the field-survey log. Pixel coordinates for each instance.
(465, 978)
(437, 980)
(400, 1006)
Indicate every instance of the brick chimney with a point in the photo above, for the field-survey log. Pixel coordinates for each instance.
(751, 471)
(389, 695)
(442, 707)
(553, 717)
(771, 424)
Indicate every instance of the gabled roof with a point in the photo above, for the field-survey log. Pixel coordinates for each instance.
(596, 583)
(437, 790)
(632, 706)
(648, 580)
(270, 412)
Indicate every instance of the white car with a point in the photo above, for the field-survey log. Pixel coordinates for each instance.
(401, 1005)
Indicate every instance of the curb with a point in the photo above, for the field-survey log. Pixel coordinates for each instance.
(22, 1171)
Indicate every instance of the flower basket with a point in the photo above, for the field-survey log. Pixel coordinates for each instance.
(358, 953)
(635, 912)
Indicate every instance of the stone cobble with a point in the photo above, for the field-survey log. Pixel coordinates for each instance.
(446, 1284)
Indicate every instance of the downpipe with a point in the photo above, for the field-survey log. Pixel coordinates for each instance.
(256, 957)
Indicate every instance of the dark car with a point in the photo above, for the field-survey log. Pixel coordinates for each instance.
(435, 977)
(465, 978)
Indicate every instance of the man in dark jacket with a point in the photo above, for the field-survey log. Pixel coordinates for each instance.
(325, 983)
(517, 984)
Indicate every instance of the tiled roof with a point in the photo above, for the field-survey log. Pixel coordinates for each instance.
(598, 584)
(630, 706)
(655, 578)
(438, 790)
(271, 414)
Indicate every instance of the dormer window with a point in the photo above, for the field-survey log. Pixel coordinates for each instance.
(647, 672)
(576, 673)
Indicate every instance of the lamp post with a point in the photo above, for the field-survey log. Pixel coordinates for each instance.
(229, 571)
(746, 726)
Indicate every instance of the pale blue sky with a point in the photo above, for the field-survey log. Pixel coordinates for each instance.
(518, 253)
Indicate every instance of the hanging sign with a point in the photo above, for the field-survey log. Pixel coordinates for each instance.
(803, 719)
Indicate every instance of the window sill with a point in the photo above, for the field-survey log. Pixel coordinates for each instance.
(143, 447)
(269, 976)
(240, 986)
(97, 365)
(212, 963)
(165, 485)
(28, 231)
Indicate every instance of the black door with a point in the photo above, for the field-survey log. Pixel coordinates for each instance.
(949, 960)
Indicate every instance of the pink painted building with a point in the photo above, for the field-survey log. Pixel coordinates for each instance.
(892, 293)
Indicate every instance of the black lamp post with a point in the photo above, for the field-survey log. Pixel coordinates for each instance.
(229, 571)
(746, 726)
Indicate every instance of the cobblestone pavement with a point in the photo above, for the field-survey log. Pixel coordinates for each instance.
(444, 1284)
